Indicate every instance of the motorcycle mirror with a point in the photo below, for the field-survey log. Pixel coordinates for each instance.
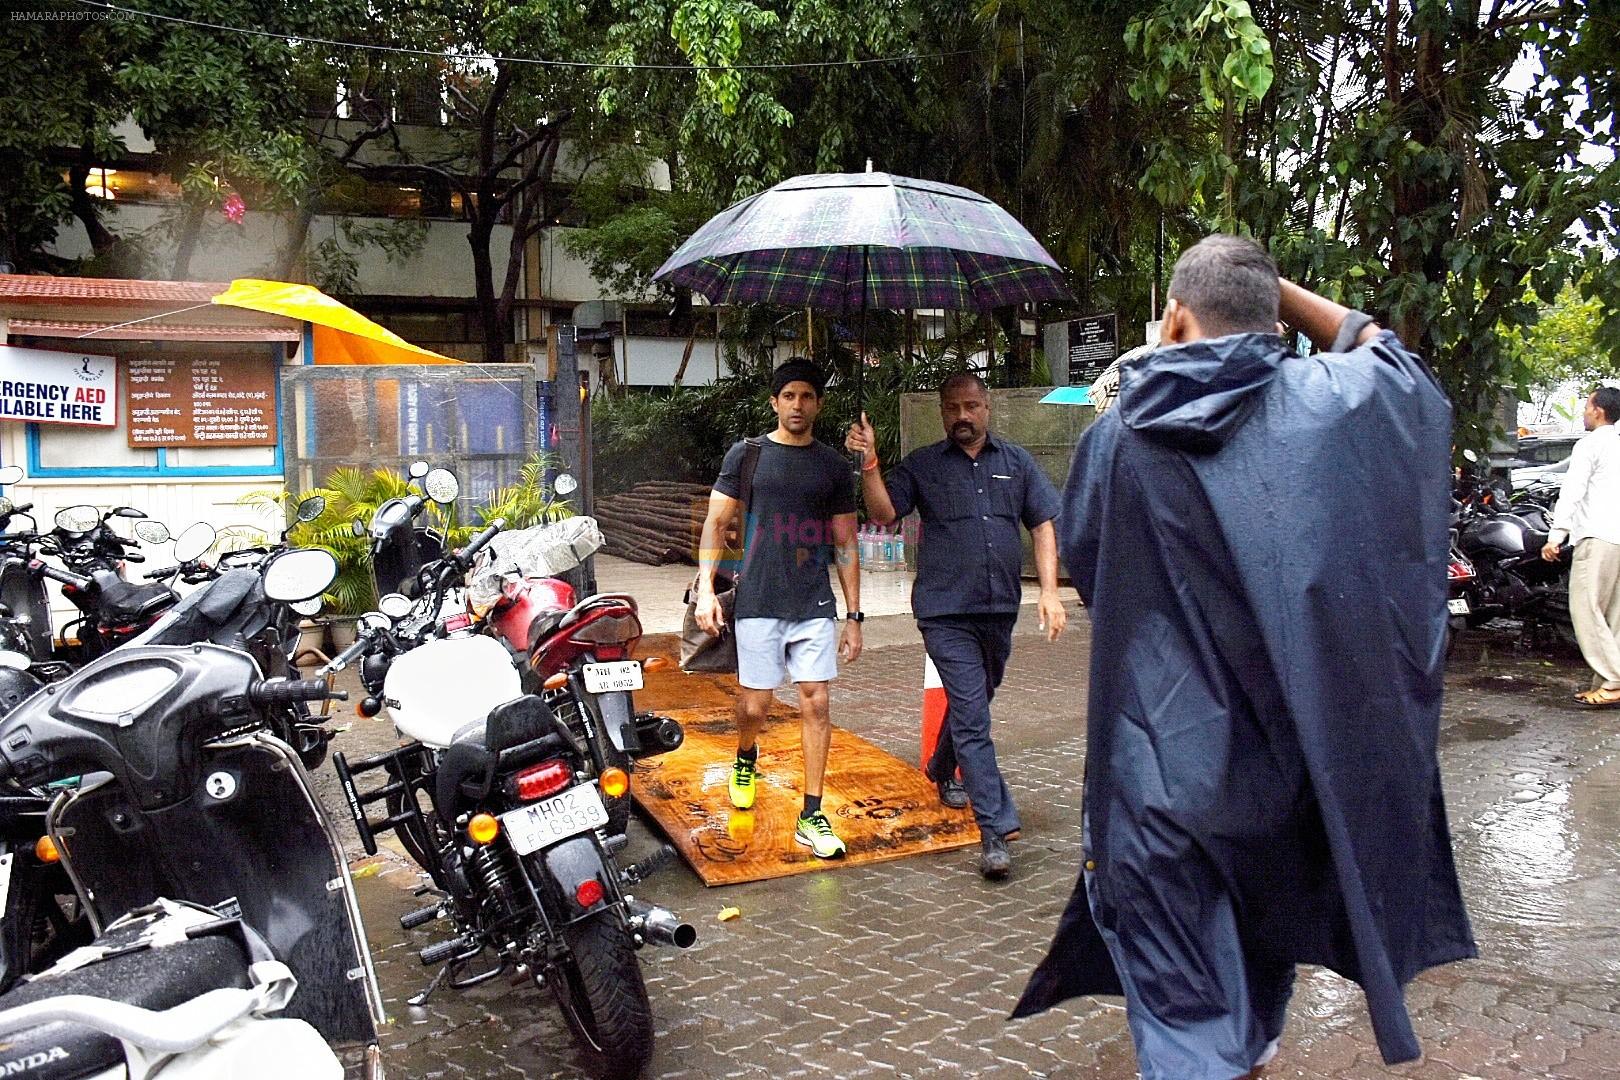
(299, 575)
(565, 484)
(151, 532)
(357, 527)
(419, 469)
(1470, 455)
(11, 474)
(6, 507)
(78, 519)
(127, 512)
(308, 608)
(311, 508)
(194, 542)
(17, 661)
(374, 620)
(395, 605)
(442, 486)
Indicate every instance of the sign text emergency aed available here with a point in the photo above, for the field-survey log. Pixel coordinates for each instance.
(40, 386)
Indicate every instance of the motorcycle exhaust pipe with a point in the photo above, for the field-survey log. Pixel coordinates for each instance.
(660, 926)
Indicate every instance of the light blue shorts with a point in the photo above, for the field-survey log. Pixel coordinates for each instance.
(770, 649)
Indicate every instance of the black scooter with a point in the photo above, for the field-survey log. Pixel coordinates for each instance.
(189, 797)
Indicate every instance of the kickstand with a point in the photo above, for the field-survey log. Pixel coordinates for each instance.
(416, 1001)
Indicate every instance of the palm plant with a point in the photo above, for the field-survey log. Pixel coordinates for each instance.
(525, 502)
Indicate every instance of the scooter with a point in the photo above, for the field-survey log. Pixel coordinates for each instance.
(188, 797)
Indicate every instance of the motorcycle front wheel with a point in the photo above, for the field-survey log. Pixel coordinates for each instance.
(604, 998)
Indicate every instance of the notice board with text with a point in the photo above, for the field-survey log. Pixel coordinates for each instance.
(201, 401)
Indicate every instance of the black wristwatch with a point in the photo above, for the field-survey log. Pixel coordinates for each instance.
(855, 616)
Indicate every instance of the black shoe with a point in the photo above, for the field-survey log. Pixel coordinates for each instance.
(995, 861)
(952, 793)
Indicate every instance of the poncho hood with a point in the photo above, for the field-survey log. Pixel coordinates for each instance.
(1194, 396)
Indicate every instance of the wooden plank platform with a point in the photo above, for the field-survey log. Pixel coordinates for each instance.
(882, 807)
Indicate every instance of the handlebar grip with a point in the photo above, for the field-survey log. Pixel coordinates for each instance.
(347, 656)
(154, 575)
(285, 691)
(134, 556)
(62, 576)
(482, 540)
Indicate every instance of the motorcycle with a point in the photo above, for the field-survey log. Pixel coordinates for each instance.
(576, 653)
(514, 833)
(113, 610)
(1511, 578)
(189, 798)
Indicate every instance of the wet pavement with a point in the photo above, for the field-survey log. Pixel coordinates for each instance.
(909, 969)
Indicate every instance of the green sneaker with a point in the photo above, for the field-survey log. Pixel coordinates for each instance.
(815, 832)
(744, 774)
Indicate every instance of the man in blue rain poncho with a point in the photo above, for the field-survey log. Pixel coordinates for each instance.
(1261, 540)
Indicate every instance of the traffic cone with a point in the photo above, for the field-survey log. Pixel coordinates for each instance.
(933, 712)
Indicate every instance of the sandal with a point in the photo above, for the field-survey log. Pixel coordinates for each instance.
(1599, 699)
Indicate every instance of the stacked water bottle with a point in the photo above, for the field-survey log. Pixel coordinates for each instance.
(883, 548)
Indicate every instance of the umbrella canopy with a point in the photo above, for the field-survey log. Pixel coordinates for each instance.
(342, 335)
(850, 241)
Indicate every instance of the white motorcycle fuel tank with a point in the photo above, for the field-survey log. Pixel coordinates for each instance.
(445, 685)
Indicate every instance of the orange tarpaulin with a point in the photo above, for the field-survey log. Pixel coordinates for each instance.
(342, 335)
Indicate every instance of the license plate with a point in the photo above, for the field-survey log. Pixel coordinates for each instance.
(612, 678)
(1458, 606)
(577, 810)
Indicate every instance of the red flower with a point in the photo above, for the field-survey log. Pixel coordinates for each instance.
(234, 208)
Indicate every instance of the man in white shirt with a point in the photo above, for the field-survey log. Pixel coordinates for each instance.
(1588, 514)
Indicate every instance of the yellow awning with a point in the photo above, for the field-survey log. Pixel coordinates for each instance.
(342, 335)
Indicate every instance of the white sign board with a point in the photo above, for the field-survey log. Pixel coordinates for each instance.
(40, 386)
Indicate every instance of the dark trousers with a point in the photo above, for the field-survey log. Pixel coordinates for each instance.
(970, 653)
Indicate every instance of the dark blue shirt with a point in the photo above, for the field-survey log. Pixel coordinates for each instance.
(971, 554)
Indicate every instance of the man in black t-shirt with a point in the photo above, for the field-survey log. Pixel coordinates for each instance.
(801, 520)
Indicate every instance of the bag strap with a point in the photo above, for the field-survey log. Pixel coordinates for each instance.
(753, 446)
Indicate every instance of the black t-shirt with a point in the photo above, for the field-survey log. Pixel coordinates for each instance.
(798, 490)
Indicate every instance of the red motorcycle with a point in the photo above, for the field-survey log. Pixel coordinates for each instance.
(579, 653)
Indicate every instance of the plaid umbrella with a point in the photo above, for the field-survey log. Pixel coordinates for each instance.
(849, 241)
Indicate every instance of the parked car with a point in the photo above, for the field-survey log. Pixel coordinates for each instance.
(1543, 457)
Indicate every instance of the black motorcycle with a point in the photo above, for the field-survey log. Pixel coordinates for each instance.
(500, 803)
(113, 609)
(1503, 545)
(188, 795)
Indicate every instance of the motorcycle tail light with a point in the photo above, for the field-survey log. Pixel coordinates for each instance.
(45, 850)
(1459, 571)
(612, 652)
(546, 778)
(589, 893)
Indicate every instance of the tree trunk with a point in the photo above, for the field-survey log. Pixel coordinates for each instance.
(191, 219)
(291, 253)
(686, 357)
(479, 234)
(102, 239)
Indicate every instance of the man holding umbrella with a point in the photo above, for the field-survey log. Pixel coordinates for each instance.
(973, 491)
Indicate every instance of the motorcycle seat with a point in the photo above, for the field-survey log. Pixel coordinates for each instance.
(124, 601)
(157, 975)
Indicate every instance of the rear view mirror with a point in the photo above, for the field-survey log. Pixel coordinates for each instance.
(1469, 455)
(311, 508)
(565, 484)
(357, 527)
(195, 542)
(151, 532)
(308, 608)
(78, 519)
(419, 469)
(442, 486)
(299, 575)
(10, 474)
(128, 512)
